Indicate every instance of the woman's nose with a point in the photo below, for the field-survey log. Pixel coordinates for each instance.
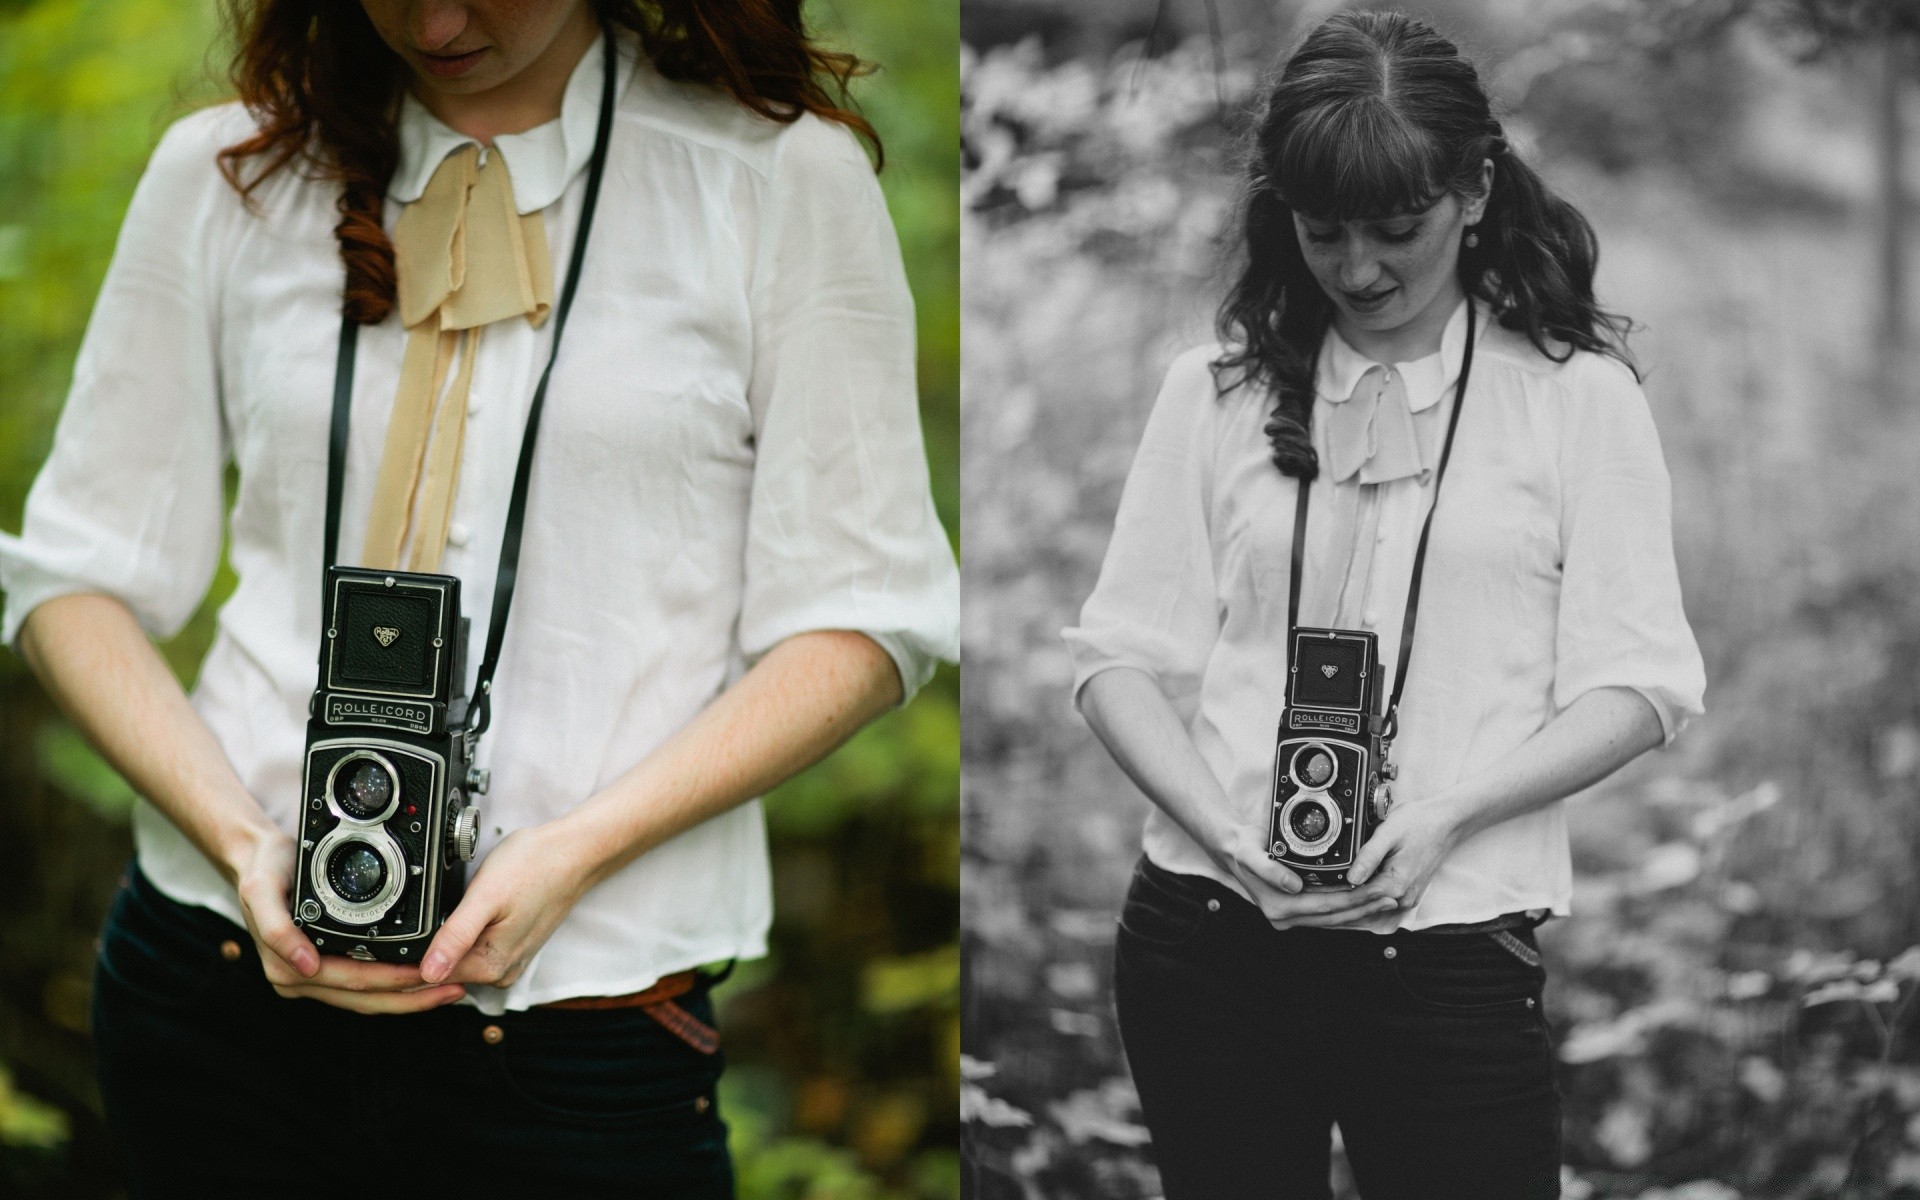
(1359, 268)
(435, 23)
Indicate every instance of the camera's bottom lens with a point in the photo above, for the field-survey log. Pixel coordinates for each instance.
(358, 874)
(1311, 824)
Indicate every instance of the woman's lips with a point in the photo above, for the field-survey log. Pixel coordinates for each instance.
(447, 66)
(1368, 302)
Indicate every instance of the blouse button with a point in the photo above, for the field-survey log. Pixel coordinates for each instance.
(493, 1035)
(230, 950)
(457, 534)
(1392, 953)
(1373, 616)
(1213, 906)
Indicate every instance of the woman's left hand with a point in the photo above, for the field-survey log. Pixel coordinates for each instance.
(525, 887)
(1403, 854)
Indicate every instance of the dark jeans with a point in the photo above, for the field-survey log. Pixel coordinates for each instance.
(1248, 1044)
(216, 1086)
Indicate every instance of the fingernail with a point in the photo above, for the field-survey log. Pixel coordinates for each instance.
(305, 961)
(433, 967)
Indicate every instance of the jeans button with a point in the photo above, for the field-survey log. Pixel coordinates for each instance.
(1213, 906)
(1391, 952)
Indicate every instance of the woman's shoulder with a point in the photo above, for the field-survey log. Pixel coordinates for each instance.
(193, 142)
(708, 117)
(183, 176)
(1559, 369)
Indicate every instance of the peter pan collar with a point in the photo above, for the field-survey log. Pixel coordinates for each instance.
(1426, 379)
(542, 160)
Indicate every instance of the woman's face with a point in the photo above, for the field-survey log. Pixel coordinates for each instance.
(462, 49)
(1389, 274)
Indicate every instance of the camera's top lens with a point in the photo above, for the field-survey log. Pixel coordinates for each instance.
(1316, 768)
(1310, 822)
(356, 872)
(364, 790)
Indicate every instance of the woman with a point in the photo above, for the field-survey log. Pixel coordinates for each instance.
(1402, 267)
(730, 561)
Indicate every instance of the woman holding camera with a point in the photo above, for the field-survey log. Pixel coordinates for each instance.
(1412, 332)
(730, 563)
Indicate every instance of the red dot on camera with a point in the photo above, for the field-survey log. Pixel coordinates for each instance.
(410, 810)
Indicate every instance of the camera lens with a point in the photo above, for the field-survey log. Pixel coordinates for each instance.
(356, 872)
(364, 790)
(1310, 822)
(1314, 767)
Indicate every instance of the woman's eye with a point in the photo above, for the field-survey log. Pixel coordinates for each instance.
(1399, 236)
(1324, 239)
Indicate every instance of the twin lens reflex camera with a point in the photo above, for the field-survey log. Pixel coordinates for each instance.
(386, 824)
(1330, 772)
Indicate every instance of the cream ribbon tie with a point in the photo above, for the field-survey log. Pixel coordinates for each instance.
(465, 258)
(1371, 434)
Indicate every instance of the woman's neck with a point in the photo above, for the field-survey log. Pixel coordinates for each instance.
(1413, 339)
(530, 98)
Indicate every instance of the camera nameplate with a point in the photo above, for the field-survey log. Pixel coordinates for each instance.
(393, 714)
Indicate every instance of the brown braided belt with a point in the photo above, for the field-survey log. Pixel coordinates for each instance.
(658, 1003)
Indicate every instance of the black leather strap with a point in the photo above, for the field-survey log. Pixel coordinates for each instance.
(509, 566)
(337, 443)
(1391, 716)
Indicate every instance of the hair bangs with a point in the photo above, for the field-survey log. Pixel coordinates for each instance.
(1357, 161)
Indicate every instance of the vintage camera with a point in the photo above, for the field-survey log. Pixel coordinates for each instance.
(386, 826)
(1329, 774)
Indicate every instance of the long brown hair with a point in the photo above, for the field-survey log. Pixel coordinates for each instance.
(325, 90)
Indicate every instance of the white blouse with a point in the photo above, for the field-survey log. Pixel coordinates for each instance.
(731, 455)
(1549, 572)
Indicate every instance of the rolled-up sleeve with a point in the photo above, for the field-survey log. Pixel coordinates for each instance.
(130, 502)
(841, 527)
(1155, 607)
(1621, 622)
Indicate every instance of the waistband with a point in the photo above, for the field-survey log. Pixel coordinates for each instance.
(1504, 923)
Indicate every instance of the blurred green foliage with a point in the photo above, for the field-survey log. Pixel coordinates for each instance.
(845, 1041)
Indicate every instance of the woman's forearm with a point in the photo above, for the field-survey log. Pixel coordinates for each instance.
(96, 662)
(1131, 716)
(802, 699)
(1600, 732)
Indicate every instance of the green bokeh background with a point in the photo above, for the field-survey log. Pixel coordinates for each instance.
(843, 1043)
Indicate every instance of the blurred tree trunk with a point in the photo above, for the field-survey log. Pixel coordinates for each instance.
(1895, 55)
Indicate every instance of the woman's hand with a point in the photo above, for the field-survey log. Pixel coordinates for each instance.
(524, 888)
(1283, 899)
(1405, 850)
(264, 877)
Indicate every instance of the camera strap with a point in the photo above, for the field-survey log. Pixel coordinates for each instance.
(1390, 718)
(523, 473)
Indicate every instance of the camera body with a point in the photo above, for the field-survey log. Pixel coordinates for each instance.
(1329, 769)
(386, 824)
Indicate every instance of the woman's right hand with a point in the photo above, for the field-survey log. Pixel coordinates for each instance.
(263, 874)
(1280, 894)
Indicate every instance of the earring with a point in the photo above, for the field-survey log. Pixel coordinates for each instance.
(1473, 239)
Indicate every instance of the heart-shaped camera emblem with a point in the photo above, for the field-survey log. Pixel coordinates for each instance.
(386, 635)
(1327, 669)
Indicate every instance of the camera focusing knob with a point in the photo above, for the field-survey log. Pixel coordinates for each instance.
(478, 780)
(466, 833)
(1382, 800)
